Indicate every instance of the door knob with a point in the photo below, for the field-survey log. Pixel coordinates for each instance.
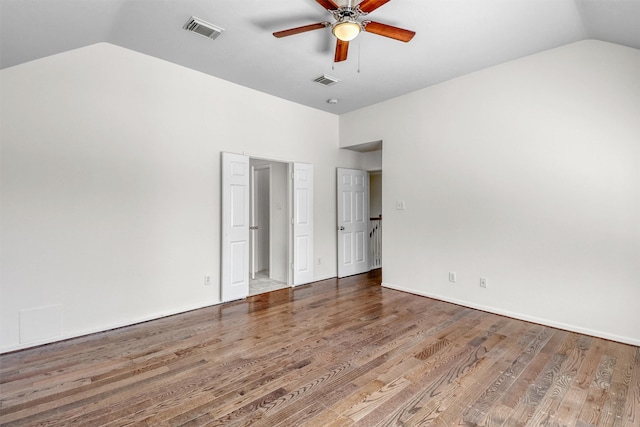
(341, 228)
(253, 227)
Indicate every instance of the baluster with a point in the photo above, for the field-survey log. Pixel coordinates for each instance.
(375, 242)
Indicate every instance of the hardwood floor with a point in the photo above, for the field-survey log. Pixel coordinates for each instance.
(334, 353)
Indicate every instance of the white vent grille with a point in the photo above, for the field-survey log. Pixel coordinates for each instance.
(203, 28)
(326, 80)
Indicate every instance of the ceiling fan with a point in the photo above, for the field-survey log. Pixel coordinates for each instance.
(347, 26)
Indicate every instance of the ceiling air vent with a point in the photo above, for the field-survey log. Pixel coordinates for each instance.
(326, 80)
(203, 28)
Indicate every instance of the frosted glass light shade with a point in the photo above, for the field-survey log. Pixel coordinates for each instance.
(346, 30)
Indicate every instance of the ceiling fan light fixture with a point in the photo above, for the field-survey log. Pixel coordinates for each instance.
(346, 30)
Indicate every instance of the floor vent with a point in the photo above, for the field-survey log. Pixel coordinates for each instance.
(203, 28)
(326, 80)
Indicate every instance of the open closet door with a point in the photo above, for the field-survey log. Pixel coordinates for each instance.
(235, 227)
(302, 223)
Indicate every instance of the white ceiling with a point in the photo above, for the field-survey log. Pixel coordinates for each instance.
(454, 37)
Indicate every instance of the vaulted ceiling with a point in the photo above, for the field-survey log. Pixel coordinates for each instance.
(453, 38)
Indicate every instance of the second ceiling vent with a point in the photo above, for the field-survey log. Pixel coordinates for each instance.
(203, 28)
(326, 80)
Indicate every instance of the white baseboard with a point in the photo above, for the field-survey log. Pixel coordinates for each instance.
(108, 327)
(325, 277)
(520, 316)
(129, 322)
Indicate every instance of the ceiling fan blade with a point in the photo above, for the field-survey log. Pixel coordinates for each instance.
(389, 31)
(329, 4)
(298, 30)
(370, 5)
(342, 48)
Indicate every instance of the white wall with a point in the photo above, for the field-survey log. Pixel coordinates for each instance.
(110, 186)
(370, 160)
(279, 222)
(528, 174)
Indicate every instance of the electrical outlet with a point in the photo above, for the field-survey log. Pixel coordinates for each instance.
(483, 282)
(207, 280)
(452, 277)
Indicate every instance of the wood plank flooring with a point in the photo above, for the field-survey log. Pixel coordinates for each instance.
(334, 353)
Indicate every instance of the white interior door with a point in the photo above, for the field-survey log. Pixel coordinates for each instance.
(235, 227)
(302, 223)
(252, 221)
(353, 220)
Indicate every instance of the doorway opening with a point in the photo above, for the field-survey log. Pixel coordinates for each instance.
(269, 224)
(359, 212)
(296, 239)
